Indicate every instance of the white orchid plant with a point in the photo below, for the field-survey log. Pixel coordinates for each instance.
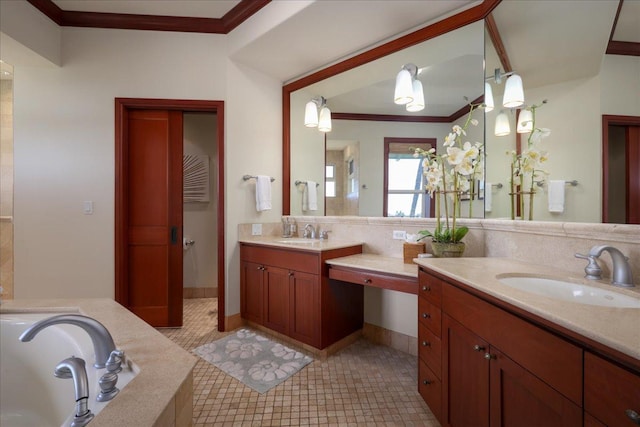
(526, 167)
(450, 175)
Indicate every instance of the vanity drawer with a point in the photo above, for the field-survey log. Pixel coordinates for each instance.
(378, 280)
(430, 350)
(288, 259)
(430, 288)
(430, 316)
(609, 391)
(430, 388)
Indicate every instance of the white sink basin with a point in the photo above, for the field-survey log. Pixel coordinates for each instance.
(569, 291)
(298, 241)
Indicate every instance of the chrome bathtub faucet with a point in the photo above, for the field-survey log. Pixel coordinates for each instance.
(75, 368)
(621, 272)
(102, 341)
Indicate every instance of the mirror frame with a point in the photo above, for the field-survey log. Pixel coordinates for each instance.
(469, 16)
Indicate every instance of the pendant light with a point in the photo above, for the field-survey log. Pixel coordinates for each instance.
(502, 127)
(418, 97)
(525, 121)
(513, 92)
(488, 97)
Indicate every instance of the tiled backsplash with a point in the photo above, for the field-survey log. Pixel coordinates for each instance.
(540, 242)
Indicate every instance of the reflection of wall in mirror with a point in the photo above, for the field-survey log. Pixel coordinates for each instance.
(307, 154)
(574, 115)
(370, 168)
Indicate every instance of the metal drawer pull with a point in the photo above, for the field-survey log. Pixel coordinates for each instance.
(426, 288)
(426, 315)
(290, 273)
(478, 347)
(367, 280)
(633, 416)
(489, 356)
(426, 382)
(426, 344)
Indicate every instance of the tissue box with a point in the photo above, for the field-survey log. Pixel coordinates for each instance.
(411, 251)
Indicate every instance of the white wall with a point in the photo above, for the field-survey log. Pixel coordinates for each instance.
(64, 146)
(620, 85)
(200, 261)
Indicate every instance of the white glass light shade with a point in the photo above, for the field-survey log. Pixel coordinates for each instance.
(325, 120)
(488, 97)
(513, 92)
(311, 115)
(525, 122)
(404, 88)
(418, 97)
(502, 125)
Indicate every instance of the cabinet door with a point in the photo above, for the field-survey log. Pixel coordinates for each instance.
(465, 376)
(251, 291)
(520, 399)
(276, 299)
(304, 297)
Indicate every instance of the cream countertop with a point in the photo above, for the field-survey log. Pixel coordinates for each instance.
(164, 366)
(377, 263)
(300, 244)
(617, 328)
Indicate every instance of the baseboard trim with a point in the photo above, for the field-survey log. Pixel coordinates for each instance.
(232, 322)
(389, 338)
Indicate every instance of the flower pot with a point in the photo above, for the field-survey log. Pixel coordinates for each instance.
(447, 250)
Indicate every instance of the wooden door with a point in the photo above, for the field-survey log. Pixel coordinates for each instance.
(276, 299)
(465, 377)
(633, 174)
(154, 217)
(304, 313)
(251, 286)
(520, 399)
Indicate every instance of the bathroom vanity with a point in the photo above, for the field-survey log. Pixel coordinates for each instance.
(493, 355)
(285, 287)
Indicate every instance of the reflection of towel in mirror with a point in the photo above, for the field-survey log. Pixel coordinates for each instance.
(487, 196)
(310, 197)
(263, 193)
(556, 196)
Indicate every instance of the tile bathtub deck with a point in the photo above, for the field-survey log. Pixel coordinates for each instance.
(364, 384)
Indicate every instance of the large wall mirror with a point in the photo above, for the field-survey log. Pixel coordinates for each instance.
(532, 39)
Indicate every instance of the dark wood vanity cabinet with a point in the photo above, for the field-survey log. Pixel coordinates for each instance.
(494, 368)
(288, 291)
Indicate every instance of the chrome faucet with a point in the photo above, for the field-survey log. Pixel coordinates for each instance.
(621, 275)
(75, 368)
(102, 341)
(309, 231)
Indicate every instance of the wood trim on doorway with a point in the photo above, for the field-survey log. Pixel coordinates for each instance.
(611, 120)
(122, 105)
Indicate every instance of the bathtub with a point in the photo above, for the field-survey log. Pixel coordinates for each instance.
(29, 393)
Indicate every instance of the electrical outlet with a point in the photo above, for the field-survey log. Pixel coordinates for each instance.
(256, 229)
(399, 234)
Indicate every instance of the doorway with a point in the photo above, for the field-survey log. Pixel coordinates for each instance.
(163, 298)
(621, 169)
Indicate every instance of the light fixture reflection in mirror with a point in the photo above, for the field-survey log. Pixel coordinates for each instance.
(311, 119)
(513, 92)
(525, 121)
(502, 127)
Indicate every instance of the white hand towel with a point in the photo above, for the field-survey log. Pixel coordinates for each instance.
(487, 196)
(263, 193)
(556, 196)
(310, 197)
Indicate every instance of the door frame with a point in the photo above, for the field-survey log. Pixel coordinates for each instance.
(611, 120)
(122, 106)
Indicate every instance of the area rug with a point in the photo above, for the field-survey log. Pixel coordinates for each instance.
(252, 359)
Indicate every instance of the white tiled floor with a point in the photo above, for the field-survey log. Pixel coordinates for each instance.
(364, 384)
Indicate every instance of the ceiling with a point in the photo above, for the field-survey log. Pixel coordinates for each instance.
(327, 31)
